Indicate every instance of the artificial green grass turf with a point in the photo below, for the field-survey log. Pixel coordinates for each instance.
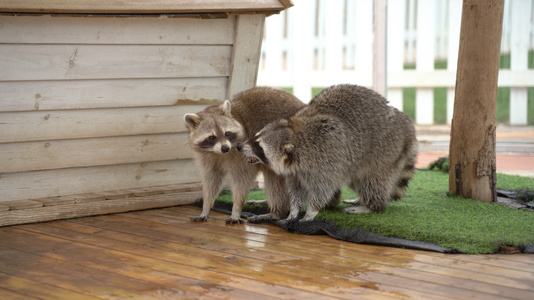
(428, 214)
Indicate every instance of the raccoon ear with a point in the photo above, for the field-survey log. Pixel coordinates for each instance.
(191, 120)
(227, 107)
(288, 148)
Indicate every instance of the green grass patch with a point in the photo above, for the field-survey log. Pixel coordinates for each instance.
(428, 214)
(530, 105)
(503, 105)
(408, 103)
(255, 194)
(505, 61)
(513, 182)
(440, 105)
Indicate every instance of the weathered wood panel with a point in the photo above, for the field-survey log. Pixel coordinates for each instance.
(39, 184)
(82, 209)
(58, 154)
(116, 30)
(83, 94)
(99, 107)
(246, 55)
(70, 124)
(59, 62)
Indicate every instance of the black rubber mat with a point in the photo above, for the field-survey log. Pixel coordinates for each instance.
(360, 236)
(355, 235)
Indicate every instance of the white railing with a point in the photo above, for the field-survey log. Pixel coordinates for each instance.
(318, 43)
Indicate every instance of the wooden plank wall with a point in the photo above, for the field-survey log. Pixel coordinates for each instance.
(91, 104)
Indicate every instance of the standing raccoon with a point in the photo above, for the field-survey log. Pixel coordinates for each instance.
(346, 135)
(213, 136)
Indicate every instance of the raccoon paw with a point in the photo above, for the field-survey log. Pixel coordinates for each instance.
(352, 201)
(266, 218)
(199, 219)
(234, 221)
(256, 202)
(284, 223)
(356, 210)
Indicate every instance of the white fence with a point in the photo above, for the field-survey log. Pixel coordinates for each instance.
(318, 43)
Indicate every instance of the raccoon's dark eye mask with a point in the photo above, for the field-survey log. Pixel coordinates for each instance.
(231, 136)
(259, 152)
(208, 143)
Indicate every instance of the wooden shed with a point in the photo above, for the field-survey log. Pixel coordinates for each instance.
(93, 93)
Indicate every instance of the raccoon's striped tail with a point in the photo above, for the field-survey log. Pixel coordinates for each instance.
(408, 170)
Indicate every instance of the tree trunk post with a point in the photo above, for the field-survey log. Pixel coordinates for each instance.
(472, 147)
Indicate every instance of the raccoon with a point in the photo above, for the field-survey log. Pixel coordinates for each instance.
(213, 136)
(346, 135)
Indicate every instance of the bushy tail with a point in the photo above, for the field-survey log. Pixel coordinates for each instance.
(408, 170)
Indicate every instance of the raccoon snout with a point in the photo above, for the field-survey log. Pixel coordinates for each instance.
(225, 148)
(252, 160)
(239, 147)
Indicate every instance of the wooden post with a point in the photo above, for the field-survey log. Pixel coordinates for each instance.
(472, 148)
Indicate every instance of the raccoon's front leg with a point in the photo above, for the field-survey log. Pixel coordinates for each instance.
(314, 205)
(321, 197)
(238, 201)
(294, 210)
(310, 214)
(277, 198)
(297, 197)
(242, 182)
(211, 187)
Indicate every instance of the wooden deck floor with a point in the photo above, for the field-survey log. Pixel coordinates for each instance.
(161, 254)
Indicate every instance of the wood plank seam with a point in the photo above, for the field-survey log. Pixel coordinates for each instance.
(70, 206)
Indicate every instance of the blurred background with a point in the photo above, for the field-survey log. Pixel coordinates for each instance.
(317, 43)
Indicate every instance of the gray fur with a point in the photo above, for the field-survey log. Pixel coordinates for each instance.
(216, 152)
(347, 135)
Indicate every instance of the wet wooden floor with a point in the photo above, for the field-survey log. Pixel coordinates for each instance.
(160, 254)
